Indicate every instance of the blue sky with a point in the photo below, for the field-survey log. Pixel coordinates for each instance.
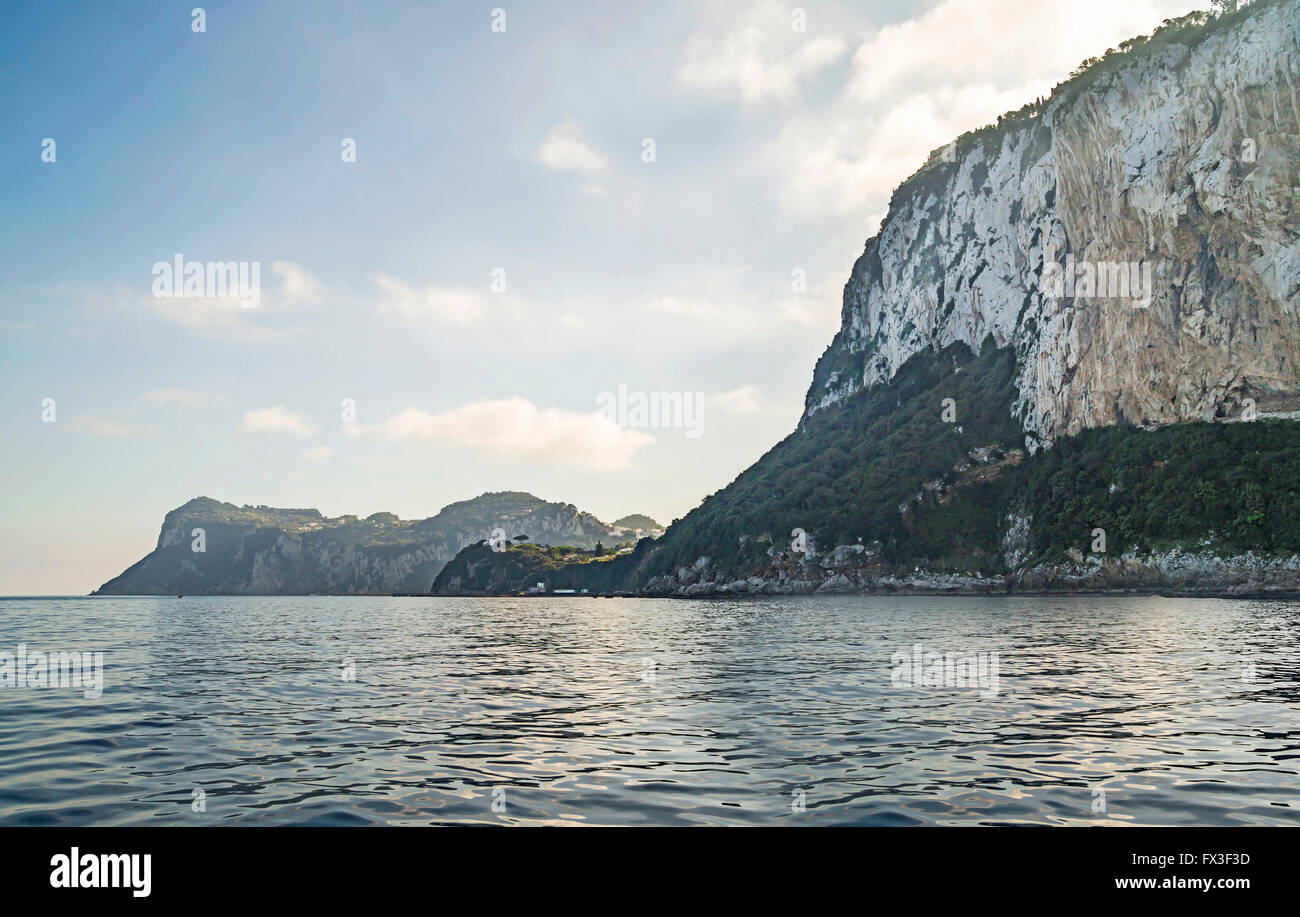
(480, 155)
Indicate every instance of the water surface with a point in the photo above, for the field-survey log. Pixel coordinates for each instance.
(341, 711)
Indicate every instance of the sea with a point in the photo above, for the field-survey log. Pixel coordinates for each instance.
(791, 711)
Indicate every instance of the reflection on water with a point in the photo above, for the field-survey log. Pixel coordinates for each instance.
(775, 711)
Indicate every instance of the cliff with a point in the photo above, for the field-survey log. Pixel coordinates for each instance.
(1176, 159)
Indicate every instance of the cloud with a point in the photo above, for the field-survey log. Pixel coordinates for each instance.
(817, 307)
(458, 305)
(297, 286)
(293, 286)
(758, 62)
(516, 430)
(564, 150)
(1037, 44)
(218, 317)
(99, 426)
(671, 305)
(318, 454)
(163, 396)
(743, 400)
(727, 304)
(810, 312)
(276, 420)
(572, 321)
(748, 401)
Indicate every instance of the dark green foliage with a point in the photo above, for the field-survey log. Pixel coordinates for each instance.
(483, 512)
(1237, 485)
(636, 521)
(478, 569)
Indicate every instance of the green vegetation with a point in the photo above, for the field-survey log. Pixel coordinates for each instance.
(206, 509)
(480, 569)
(1235, 485)
(636, 521)
(488, 510)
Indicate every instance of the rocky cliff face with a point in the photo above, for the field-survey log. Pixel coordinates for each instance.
(1134, 238)
(209, 547)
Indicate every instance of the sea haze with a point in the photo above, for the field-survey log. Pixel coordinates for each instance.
(336, 711)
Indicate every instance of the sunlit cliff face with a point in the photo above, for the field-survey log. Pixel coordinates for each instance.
(1163, 191)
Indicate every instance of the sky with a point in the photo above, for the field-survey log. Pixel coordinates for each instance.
(468, 221)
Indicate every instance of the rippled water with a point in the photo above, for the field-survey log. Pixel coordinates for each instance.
(1107, 710)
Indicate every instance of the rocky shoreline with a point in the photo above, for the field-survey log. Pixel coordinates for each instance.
(849, 570)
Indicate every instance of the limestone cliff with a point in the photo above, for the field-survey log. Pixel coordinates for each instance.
(1174, 163)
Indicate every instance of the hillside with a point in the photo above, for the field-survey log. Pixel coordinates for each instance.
(264, 550)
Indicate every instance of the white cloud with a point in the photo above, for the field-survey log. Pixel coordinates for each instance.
(743, 400)
(297, 286)
(817, 307)
(163, 396)
(318, 454)
(276, 420)
(810, 313)
(219, 317)
(1038, 44)
(516, 430)
(99, 426)
(564, 150)
(763, 60)
(729, 305)
(671, 305)
(227, 317)
(749, 401)
(458, 305)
